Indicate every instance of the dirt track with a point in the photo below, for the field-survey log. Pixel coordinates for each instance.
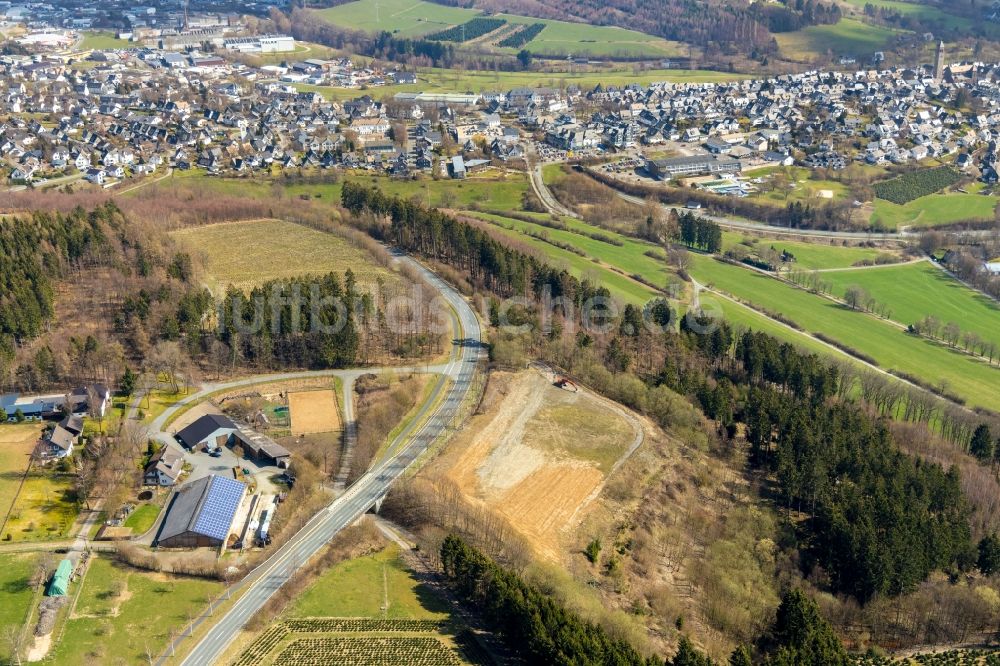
(539, 456)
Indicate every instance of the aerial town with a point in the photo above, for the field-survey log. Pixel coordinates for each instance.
(391, 332)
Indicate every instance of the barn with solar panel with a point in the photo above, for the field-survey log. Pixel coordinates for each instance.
(201, 513)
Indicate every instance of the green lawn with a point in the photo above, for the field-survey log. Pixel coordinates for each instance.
(934, 209)
(15, 586)
(848, 37)
(892, 348)
(362, 586)
(621, 286)
(808, 256)
(142, 518)
(414, 18)
(801, 187)
(914, 291)
(103, 40)
(123, 614)
(915, 10)
(45, 508)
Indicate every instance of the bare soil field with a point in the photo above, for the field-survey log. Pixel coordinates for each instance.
(540, 455)
(314, 411)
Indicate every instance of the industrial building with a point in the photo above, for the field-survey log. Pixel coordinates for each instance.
(201, 513)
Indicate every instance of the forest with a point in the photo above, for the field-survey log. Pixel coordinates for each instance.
(868, 520)
(542, 631)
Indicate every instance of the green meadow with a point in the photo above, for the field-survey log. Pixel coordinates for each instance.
(410, 18)
(891, 347)
(914, 291)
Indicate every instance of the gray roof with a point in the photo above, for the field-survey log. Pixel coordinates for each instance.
(62, 438)
(205, 507)
(203, 427)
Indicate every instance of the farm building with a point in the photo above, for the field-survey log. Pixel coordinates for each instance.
(262, 449)
(201, 513)
(60, 579)
(208, 432)
(163, 467)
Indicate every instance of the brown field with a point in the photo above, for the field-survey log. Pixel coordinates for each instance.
(313, 411)
(247, 254)
(540, 455)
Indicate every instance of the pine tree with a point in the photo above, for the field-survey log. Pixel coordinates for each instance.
(981, 445)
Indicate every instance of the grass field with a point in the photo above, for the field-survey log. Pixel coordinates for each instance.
(802, 187)
(16, 443)
(808, 256)
(915, 10)
(125, 614)
(45, 507)
(157, 402)
(934, 209)
(368, 611)
(16, 570)
(313, 411)
(410, 18)
(142, 518)
(245, 254)
(914, 291)
(361, 587)
(103, 40)
(891, 347)
(848, 37)
(621, 286)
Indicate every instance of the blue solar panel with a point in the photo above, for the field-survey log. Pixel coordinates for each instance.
(217, 511)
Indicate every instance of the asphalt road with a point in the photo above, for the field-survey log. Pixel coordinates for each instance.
(362, 495)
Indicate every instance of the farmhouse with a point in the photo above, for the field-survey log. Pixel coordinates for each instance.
(208, 433)
(57, 444)
(163, 467)
(201, 513)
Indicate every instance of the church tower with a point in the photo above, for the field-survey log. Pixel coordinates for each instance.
(939, 62)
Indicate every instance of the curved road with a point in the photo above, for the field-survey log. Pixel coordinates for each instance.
(270, 575)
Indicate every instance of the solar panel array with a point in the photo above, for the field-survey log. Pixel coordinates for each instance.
(219, 507)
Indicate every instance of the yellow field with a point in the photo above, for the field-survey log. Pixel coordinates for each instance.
(246, 254)
(16, 443)
(313, 411)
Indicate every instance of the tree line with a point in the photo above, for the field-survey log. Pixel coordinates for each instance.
(490, 264)
(532, 624)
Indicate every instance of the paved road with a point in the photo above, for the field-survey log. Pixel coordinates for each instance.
(545, 195)
(278, 568)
